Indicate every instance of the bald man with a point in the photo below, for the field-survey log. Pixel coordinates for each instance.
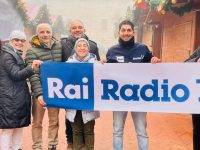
(77, 30)
(45, 48)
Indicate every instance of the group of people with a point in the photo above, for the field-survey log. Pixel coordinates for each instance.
(15, 98)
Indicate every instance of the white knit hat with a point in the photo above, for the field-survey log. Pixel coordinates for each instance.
(79, 40)
(16, 34)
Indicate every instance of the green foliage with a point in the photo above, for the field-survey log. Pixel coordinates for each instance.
(168, 6)
(19, 6)
(129, 13)
(155, 3)
(42, 16)
(59, 26)
(180, 11)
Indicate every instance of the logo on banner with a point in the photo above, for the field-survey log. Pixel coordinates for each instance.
(147, 92)
(68, 86)
(70, 91)
(73, 85)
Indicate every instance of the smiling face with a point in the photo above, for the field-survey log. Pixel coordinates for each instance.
(44, 33)
(18, 44)
(77, 29)
(82, 49)
(126, 32)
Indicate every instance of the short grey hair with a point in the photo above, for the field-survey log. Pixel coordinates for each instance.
(76, 20)
(43, 24)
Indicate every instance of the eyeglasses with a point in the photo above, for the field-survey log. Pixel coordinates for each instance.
(19, 40)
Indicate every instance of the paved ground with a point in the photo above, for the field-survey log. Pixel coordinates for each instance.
(166, 132)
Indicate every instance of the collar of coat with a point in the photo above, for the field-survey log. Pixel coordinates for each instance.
(9, 49)
(35, 42)
(88, 58)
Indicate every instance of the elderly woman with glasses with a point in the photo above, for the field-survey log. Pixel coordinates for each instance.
(15, 99)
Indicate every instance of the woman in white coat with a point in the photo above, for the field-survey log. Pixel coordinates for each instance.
(82, 121)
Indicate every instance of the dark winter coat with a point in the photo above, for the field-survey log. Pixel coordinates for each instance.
(133, 52)
(40, 52)
(15, 99)
(68, 45)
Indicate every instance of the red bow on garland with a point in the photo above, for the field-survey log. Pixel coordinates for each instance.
(142, 4)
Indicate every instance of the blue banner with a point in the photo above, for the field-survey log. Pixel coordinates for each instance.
(67, 85)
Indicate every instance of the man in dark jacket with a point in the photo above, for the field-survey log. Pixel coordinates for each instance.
(129, 51)
(77, 30)
(45, 48)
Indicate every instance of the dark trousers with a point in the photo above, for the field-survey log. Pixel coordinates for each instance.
(83, 134)
(196, 131)
(68, 131)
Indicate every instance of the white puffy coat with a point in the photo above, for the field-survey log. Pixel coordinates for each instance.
(86, 114)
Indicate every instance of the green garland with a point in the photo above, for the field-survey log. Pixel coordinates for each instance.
(180, 11)
(155, 3)
(168, 6)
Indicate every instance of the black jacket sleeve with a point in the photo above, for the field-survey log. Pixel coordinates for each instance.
(14, 70)
(96, 52)
(36, 86)
(67, 49)
(148, 55)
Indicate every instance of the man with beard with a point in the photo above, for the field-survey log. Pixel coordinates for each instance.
(129, 51)
(77, 30)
